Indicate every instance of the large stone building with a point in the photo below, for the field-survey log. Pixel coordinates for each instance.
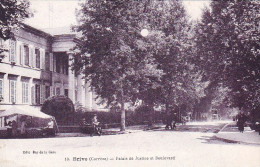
(37, 66)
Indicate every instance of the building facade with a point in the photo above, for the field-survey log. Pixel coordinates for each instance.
(37, 66)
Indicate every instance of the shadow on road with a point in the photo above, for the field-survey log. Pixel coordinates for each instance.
(214, 140)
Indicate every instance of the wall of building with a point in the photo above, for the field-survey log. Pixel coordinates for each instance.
(25, 81)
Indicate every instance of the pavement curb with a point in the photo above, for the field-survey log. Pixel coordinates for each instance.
(234, 141)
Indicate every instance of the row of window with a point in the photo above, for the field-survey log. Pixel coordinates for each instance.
(38, 92)
(29, 56)
(23, 54)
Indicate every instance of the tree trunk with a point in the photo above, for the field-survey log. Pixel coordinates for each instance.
(168, 112)
(122, 116)
(150, 124)
(122, 108)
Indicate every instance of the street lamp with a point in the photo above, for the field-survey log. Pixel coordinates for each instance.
(144, 32)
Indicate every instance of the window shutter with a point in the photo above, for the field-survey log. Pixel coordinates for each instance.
(51, 61)
(12, 50)
(34, 58)
(42, 94)
(14, 91)
(1, 87)
(22, 54)
(27, 92)
(42, 52)
(40, 59)
(33, 94)
(10, 91)
(23, 92)
(54, 63)
(18, 52)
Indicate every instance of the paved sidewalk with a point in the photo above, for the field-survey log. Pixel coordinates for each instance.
(230, 133)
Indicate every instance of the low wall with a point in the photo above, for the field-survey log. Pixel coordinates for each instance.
(77, 129)
(69, 129)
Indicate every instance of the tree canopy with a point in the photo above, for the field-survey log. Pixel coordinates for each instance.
(12, 12)
(227, 44)
(121, 64)
(177, 64)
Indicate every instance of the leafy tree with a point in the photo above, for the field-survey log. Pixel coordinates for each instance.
(124, 66)
(227, 42)
(12, 12)
(112, 62)
(171, 48)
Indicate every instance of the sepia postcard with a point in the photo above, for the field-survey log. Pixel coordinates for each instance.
(170, 83)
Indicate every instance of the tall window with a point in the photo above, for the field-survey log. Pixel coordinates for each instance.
(12, 50)
(25, 92)
(26, 55)
(1, 88)
(58, 63)
(12, 91)
(66, 92)
(47, 61)
(38, 58)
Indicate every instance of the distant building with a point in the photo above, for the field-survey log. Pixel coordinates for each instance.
(37, 66)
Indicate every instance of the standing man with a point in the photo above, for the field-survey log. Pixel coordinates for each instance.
(94, 124)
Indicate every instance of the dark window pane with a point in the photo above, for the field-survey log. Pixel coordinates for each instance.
(47, 61)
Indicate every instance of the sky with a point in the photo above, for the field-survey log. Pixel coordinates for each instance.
(61, 13)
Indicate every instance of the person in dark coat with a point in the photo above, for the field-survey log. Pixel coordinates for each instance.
(14, 128)
(241, 119)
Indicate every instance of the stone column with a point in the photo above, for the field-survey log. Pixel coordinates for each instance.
(71, 79)
(19, 90)
(88, 96)
(80, 89)
(30, 90)
(6, 89)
